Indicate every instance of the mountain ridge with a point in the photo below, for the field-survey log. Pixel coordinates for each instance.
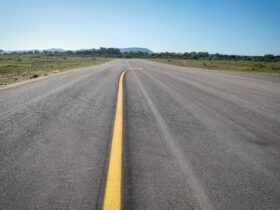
(122, 50)
(135, 49)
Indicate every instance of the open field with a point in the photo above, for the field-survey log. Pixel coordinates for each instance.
(14, 68)
(242, 66)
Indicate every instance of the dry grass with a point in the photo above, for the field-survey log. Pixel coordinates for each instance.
(242, 66)
(14, 68)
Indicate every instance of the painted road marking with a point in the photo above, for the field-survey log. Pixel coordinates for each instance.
(112, 199)
(135, 68)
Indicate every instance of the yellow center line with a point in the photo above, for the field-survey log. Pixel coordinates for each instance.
(112, 199)
(135, 68)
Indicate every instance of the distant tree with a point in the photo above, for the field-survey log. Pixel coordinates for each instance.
(268, 57)
(115, 53)
(1, 51)
(203, 55)
(69, 52)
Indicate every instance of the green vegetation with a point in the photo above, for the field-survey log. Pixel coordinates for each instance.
(243, 66)
(215, 57)
(17, 67)
(116, 53)
(113, 52)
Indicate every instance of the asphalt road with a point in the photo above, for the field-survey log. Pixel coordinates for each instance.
(192, 139)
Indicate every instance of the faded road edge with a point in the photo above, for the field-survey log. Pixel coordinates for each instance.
(112, 198)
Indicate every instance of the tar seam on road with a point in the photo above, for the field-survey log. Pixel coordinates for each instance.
(112, 198)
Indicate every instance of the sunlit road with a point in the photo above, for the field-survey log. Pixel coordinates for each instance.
(191, 139)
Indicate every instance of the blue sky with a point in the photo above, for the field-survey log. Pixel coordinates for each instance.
(250, 27)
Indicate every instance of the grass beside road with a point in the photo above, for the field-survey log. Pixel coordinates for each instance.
(241, 66)
(15, 68)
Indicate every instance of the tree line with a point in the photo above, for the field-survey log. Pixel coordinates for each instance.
(116, 53)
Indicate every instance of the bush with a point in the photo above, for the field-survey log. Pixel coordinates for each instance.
(34, 76)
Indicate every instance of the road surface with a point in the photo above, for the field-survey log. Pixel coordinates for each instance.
(191, 139)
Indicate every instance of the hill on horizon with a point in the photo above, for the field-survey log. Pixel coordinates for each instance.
(122, 50)
(135, 49)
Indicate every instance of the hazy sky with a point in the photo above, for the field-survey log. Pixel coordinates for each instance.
(249, 27)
